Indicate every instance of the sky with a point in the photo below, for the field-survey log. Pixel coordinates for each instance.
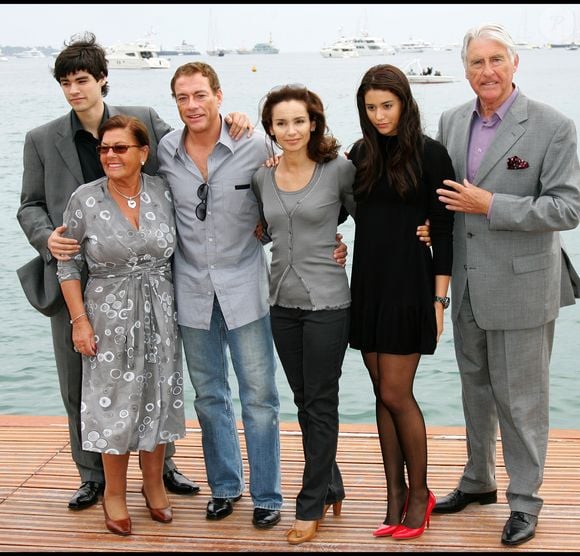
(292, 27)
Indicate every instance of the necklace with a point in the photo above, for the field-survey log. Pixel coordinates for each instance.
(131, 203)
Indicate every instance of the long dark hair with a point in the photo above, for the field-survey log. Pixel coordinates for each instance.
(403, 167)
(322, 146)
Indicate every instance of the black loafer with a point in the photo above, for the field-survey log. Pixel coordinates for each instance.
(218, 508)
(519, 528)
(457, 500)
(265, 518)
(178, 483)
(87, 495)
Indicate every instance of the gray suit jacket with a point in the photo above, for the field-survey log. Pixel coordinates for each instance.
(52, 171)
(517, 274)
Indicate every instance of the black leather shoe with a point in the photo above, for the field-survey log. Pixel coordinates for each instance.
(457, 500)
(265, 518)
(519, 528)
(218, 508)
(86, 495)
(178, 483)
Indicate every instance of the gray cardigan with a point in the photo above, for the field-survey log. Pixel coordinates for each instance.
(304, 235)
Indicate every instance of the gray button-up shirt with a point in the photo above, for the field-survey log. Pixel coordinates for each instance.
(219, 255)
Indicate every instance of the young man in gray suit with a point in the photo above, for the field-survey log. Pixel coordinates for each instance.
(521, 187)
(58, 157)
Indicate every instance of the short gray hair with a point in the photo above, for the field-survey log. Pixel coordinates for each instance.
(492, 31)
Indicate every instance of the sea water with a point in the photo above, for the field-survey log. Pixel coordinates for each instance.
(29, 97)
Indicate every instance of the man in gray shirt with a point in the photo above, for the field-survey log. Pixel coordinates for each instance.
(221, 285)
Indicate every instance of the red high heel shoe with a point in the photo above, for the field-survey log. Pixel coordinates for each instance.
(336, 508)
(404, 532)
(163, 515)
(385, 530)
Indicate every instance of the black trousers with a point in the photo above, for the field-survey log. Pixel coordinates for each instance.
(311, 347)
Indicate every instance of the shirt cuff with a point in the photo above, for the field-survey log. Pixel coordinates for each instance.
(488, 215)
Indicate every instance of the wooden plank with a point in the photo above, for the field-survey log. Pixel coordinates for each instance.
(37, 477)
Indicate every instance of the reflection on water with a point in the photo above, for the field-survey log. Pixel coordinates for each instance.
(29, 96)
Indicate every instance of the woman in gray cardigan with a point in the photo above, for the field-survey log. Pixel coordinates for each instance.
(300, 201)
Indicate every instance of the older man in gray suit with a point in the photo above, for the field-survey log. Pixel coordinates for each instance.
(510, 277)
(58, 157)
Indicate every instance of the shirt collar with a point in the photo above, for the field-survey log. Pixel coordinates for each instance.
(224, 138)
(78, 126)
(503, 109)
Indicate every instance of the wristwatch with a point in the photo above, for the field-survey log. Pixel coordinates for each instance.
(443, 300)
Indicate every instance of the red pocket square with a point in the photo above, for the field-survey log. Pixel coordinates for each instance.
(516, 163)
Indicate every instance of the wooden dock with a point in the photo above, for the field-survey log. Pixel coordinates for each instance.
(37, 478)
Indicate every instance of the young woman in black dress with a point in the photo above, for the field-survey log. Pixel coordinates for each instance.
(399, 288)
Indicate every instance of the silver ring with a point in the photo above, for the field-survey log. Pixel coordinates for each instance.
(75, 348)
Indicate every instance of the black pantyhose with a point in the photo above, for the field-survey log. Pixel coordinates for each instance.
(402, 435)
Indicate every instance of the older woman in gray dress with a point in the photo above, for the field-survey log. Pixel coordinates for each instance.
(124, 323)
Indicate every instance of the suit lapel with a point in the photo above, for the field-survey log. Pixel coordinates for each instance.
(65, 145)
(463, 130)
(509, 131)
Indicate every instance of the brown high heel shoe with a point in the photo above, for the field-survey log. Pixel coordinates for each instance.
(163, 515)
(297, 536)
(336, 508)
(118, 526)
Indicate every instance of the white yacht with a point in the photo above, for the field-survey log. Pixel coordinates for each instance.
(183, 49)
(414, 45)
(342, 48)
(136, 55)
(360, 45)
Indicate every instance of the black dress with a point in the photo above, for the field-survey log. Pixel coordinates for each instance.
(393, 273)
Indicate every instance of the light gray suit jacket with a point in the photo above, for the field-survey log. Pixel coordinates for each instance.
(52, 171)
(517, 275)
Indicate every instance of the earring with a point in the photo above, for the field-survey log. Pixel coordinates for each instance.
(142, 163)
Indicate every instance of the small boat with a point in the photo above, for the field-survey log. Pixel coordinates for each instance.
(141, 54)
(414, 45)
(218, 52)
(183, 49)
(417, 74)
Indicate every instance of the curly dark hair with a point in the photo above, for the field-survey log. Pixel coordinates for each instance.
(322, 146)
(83, 53)
(403, 167)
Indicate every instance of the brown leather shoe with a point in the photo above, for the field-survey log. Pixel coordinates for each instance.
(297, 536)
(163, 515)
(119, 526)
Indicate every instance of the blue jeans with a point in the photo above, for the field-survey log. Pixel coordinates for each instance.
(252, 353)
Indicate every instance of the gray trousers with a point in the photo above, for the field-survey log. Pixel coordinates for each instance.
(70, 374)
(505, 379)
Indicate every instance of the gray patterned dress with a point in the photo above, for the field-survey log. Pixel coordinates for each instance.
(132, 396)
